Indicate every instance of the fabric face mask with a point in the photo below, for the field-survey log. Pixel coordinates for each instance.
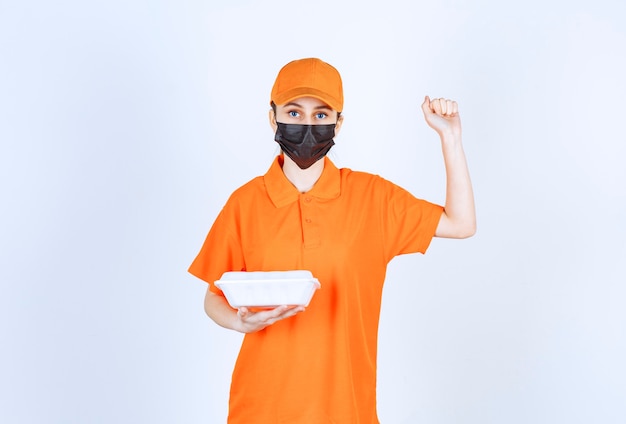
(305, 144)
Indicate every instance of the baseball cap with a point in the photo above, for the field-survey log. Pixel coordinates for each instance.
(309, 77)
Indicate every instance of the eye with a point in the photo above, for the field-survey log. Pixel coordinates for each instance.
(320, 115)
(293, 113)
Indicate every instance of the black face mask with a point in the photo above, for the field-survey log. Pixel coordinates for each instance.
(305, 144)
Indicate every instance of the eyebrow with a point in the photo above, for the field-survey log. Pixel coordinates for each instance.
(300, 106)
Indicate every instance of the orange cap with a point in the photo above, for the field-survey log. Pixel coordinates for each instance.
(309, 77)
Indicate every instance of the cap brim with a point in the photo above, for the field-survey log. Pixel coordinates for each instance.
(295, 93)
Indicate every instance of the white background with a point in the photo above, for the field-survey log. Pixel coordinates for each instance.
(125, 125)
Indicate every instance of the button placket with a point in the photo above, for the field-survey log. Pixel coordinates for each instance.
(310, 228)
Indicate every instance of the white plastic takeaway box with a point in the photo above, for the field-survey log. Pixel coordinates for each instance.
(268, 289)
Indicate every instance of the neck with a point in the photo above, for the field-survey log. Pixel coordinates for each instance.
(302, 179)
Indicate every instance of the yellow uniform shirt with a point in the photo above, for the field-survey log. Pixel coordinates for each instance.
(320, 365)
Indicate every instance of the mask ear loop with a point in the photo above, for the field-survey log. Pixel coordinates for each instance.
(277, 149)
(334, 152)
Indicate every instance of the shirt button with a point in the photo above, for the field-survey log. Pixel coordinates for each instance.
(307, 199)
(308, 220)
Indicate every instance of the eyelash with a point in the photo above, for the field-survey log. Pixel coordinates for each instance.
(295, 114)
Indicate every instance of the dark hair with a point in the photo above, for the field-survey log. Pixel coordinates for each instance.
(274, 109)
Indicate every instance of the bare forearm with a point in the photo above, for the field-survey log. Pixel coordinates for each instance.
(459, 206)
(220, 311)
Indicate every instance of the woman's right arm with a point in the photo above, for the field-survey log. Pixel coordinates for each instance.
(244, 320)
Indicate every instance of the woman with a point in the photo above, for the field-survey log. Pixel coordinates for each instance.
(319, 365)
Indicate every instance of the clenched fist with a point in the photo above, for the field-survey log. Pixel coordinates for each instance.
(442, 115)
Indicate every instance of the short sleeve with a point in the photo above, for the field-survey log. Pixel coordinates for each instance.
(409, 223)
(221, 250)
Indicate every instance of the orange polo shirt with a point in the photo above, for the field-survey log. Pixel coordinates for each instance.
(320, 365)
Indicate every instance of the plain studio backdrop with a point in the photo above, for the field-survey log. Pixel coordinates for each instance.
(125, 125)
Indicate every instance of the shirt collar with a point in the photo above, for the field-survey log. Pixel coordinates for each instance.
(282, 192)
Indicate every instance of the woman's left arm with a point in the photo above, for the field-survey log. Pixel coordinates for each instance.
(459, 216)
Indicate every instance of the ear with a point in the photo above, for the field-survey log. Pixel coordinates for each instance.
(273, 123)
(338, 125)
